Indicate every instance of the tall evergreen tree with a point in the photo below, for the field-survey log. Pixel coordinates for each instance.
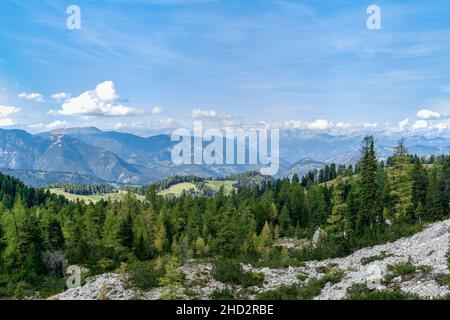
(400, 184)
(368, 184)
(338, 225)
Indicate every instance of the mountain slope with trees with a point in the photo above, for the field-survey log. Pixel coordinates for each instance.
(41, 233)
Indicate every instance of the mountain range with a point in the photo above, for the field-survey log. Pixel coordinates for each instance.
(90, 155)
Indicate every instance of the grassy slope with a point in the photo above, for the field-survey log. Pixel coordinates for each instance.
(177, 189)
(91, 198)
(228, 185)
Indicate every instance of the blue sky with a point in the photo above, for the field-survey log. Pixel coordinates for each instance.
(163, 63)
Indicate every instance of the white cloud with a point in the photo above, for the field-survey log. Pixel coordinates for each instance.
(420, 124)
(5, 112)
(106, 91)
(60, 96)
(441, 126)
(157, 110)
(402, 124)
(8, 110)
(31, 96)
(7, 122)
(36, 126)
(368, 125)
(296, 124)
(207, 114)
(56, 124)
(342, 125)
(99, 102)
(428, 114)
(49, 126)
(320, 124)
(167, 122)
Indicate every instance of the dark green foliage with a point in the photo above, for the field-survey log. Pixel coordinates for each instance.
(368, 184)
(225, 294)
(84, 189)
(302, 292)
(404, 269)
(369, 260)
(144, 275)
(231, 272)
(361, 292)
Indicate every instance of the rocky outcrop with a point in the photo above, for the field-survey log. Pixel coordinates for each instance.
(369, 266)
(108, 286)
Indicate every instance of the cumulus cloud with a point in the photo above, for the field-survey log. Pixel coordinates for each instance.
(60, 96)
(296, 124)
(5, 112)
(56, 124)
(428, 114)
(320, 124)
(343, 125)
(7, 122)
(103, 101)
(31, 96)
(157, 110)
(420, 124)
(204, 114)
(49, 126)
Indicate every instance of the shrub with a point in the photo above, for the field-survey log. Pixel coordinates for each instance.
(229, 271)
(383, 255)
(302, 292)
(362, 292)
(401, 269)
(144, 274)
(225, 294)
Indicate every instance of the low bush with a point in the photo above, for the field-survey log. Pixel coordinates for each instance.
(362, 292)
(383, 255)
(144, 275)
(225, 294)
(403, 269)
(232, 272)
(302, 292)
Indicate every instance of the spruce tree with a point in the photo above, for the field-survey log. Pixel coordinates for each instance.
(400, 184)
(338, 225)
(368, 184)
(419, 188)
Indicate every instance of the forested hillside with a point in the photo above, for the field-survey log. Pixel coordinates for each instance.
(41, 234)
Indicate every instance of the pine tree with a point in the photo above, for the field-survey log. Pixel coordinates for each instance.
(368, 184)
(400, 184)
(419, 188)
(284, 222)
(436, 206)
(352, 213)
(172, 280)
(265, 241)
(338, 224)
(298, 210)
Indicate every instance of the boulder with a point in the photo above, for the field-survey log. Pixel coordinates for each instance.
(318, 237)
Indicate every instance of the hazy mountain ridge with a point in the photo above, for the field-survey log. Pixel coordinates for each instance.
(38, 179)
(130, 159)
